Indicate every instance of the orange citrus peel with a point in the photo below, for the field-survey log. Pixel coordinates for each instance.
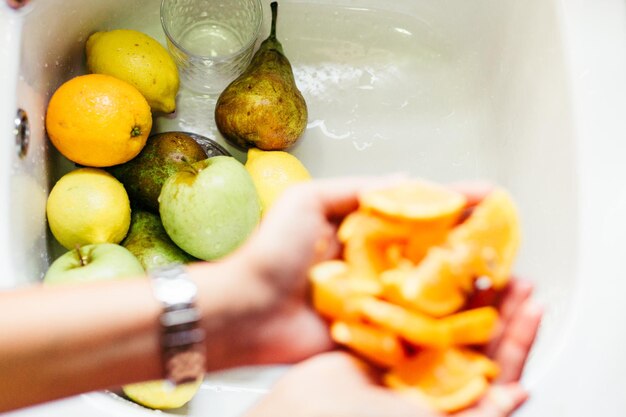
(399, 297)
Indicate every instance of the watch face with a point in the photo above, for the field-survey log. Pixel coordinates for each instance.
(174, 287)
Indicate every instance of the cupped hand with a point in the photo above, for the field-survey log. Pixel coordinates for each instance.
(340, 385)
(520, 317)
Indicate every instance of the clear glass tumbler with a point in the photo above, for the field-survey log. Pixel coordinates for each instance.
(212, 41)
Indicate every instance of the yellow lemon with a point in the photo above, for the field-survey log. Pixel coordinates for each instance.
(139, 60)
(273, 172)
(158, 395)
(86, 206)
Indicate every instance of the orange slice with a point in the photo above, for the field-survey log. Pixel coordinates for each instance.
(415, 200)
(447, 379)
(472, 327)
(414, 327)
(373, 244)
(493, 231)
(378, 346)
(335, 292)
(366, 238)
(430, 288)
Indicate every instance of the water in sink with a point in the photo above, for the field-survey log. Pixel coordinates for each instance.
(448, 91)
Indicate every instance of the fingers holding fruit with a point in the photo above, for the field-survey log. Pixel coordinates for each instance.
(416, 290)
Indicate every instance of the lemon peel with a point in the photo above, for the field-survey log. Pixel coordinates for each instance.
(139, 60)
(88, 205)
(273, 172)
(160, 395)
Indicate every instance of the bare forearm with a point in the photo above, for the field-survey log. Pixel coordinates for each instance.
(64, 340)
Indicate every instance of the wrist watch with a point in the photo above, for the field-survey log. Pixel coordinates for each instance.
(182, 338)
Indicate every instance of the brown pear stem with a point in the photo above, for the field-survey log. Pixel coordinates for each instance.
(274, 6)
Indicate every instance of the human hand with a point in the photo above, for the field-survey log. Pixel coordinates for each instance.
(520, 317)
(299, 231)
(338, 384)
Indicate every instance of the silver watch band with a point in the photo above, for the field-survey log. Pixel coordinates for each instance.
(182, 338)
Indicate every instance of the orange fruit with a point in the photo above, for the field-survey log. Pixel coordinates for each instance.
(377, 345)
(415, 200)
(365, 238)
(373, 244)
(417, 328)
(97, 120)
(412, 255)
(484, 245)
(472, 327)
(430, 287)
(447, 379)
(335, 293)
(493, 232)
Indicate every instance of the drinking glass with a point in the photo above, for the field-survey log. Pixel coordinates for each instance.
(212, 41)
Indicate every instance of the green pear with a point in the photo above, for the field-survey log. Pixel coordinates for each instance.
(149, 242)
(163, 155)
(263, 107)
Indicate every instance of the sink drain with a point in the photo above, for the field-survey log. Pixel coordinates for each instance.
(22, 133)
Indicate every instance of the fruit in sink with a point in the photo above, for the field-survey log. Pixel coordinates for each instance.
(97, 120)
(97, 262)
(210, 208)
(139, 60)
(163, 155)
(263, 107)
(88, 205)
(107, 262)
(448, 380)
(404, 295)
(159, 395)
(149, 242)
(273, 172)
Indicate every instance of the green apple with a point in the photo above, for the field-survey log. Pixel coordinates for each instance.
(210, 208)
(95, 262)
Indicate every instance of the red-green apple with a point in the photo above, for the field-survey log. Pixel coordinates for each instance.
(210, 208)
(96, 262)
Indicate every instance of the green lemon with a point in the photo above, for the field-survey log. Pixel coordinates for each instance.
(139, 60)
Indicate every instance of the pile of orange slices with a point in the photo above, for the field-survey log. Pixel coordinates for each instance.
(400, 296)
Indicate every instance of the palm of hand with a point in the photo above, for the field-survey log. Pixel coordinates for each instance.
(338, 384)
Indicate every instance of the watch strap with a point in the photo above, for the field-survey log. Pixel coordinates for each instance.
(181, 337)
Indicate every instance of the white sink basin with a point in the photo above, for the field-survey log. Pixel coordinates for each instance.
(526, 94)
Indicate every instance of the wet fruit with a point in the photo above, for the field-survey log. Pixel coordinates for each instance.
(163, 155)
(88, 205)
(139, 60)
(158, 395)
(98, 121)
(263, 107)
(404, 296)
(447, 379)
(273, 172)
(210, 208)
